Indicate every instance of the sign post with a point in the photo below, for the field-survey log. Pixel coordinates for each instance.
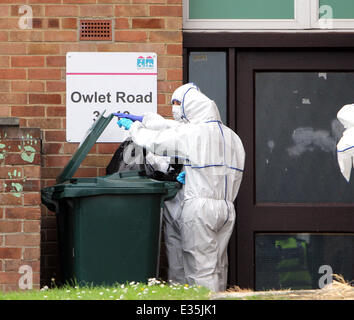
(111, 81)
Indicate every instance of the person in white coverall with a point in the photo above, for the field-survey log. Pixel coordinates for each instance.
(200, 219)
(345, 146)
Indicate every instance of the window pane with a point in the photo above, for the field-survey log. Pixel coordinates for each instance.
(293, 260)
(241, 9)
(208, 71)
(341, 9)
(296, 136)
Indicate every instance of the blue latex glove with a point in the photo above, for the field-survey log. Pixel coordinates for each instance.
(182, 177)
(132, 117)
(126, 123)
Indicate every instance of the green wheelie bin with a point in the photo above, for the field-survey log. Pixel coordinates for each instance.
(109, 227)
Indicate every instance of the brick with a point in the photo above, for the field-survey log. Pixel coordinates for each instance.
(27, 61)
(56, 61)
(169, 62)
(161, 99)
(13, 98)
(175, 74)
(10, 253)
(107, 148)
(4, 36)
(44, 98)
(175, 49)
(5, 111)
(64, 36)
(26, 240)
(23, 213)
(30, 185)
(12, 146)
(32, 254)
(26, 35)
(56, 86)
(168, 86)
(96, 161)
(4, 86)
(165, 36)
(159, 48)
(27, 86)
(27, 111)
(166, 11)
(56, 111)
(113, 47)
(31, 226)
(9, 278)
(69, 23)
(131, 10)
(44, 74)
(113, 1)
(149, 1)
(53, 23)
(15, 158)
(127, 36)
(165, 111)
(44, 123)
(61, 10)
(32, 199)
(14, 265)
(174, 23)
(52, 148)
(122, 23)
(7, 226)
(4, 61)
(12, 74)
(44, 1)
(9, 23)
(20, 133)
(72, 147)
(55, 135)
(4, 11)
(37, 23)
(55, 161)
(12, 48)
(96, 10)
(4, 171)
(37, 10)
(10, 199)
(39, 48)
(32, 172)
(148, 23)
(86, 172)
(50, 173)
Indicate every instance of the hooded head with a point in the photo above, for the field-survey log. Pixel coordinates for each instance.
(194, 106)
(346, 116)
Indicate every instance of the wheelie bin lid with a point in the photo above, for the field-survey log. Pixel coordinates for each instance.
(92, 135)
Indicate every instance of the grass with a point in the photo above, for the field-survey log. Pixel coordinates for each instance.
(153, 290)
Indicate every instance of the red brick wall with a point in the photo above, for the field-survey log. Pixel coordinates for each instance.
(32, 75)
(20, 213)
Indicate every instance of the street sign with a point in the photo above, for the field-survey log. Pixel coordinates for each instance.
(111, 81)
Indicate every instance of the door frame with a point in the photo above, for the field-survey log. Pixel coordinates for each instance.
(248, 52)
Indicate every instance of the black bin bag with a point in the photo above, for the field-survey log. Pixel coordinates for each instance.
(130, 156)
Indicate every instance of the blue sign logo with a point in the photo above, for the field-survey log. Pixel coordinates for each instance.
(145, 63)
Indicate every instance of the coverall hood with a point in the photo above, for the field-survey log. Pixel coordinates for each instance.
(346, 116)
(195, 106)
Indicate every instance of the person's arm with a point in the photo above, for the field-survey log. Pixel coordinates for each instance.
(172, 142)
(154, 121)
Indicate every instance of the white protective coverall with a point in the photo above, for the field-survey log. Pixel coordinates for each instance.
(345, 146)
(200, 219)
